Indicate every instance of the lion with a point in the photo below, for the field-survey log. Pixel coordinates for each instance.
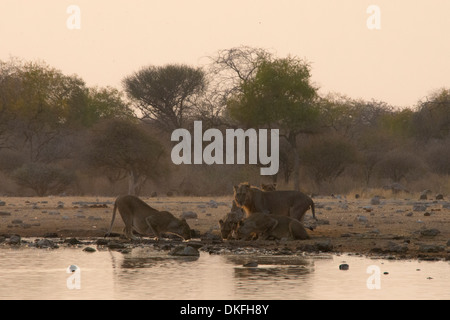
(140, 217)
(285, 203)
(268, 187)
(230, 224)
(269, 227)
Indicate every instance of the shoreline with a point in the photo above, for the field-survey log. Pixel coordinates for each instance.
(392, 229)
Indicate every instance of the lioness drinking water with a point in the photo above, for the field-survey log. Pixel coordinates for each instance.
(140, 217)
(269, 227)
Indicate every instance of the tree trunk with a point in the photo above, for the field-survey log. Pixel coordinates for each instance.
(296, 173)
(132, 183)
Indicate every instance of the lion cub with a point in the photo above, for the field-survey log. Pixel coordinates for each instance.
(268, 226)
(140, 217)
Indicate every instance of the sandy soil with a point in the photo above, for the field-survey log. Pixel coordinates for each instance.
(393, 228)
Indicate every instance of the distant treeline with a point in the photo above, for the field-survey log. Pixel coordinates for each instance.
(59, 136)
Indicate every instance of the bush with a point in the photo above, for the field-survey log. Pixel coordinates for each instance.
(399, 164)
(43, 178)
(327, 158)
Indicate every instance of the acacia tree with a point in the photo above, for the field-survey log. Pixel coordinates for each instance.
(279, 95)
(227, 71)
(166, 94)
(125, 148)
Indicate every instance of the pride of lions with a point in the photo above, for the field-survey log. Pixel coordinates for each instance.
(257, 213)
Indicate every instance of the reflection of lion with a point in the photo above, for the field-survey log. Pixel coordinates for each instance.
(285, 203)
(140, 217)
(268, 226)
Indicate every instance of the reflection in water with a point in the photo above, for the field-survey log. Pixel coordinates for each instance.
(145, 273)
(271, 273)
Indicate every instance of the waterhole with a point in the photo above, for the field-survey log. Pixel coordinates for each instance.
(144, 273)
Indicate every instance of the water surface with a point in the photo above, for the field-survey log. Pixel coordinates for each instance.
(29, 273)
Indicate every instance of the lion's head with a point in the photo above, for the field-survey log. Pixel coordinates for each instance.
(242, 194)
(230, 224)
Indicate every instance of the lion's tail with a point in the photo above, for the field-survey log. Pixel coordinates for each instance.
(113, 218)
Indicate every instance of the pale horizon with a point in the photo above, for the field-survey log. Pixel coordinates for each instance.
(401, 63)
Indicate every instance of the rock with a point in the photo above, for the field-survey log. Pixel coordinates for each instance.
(17, 221)
(116, 245)
(368, 208)
(46, 243)
(72, 241)
(429, 232)
(362, 219)
(423, 196)
(189, 215)
(324, 246)
(409, 214)
(252, 264)
(2, 203)
(208, 236)
(184, 251)
(419, 207)
(3, 214)
(396, 248)
(89, 249)
(54, 213)
(375, 201)
(212, 204)
(431, 248)
(344, 266)
(448, 243)
(102, 242)
(439, 197)
(51, 235)
(154, 194)
(15, 239)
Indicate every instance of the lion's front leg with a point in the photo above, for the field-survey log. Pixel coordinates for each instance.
(151, 227)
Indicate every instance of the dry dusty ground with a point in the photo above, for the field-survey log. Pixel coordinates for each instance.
(393, 228)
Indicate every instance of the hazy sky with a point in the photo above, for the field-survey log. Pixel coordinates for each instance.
(400, 63)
